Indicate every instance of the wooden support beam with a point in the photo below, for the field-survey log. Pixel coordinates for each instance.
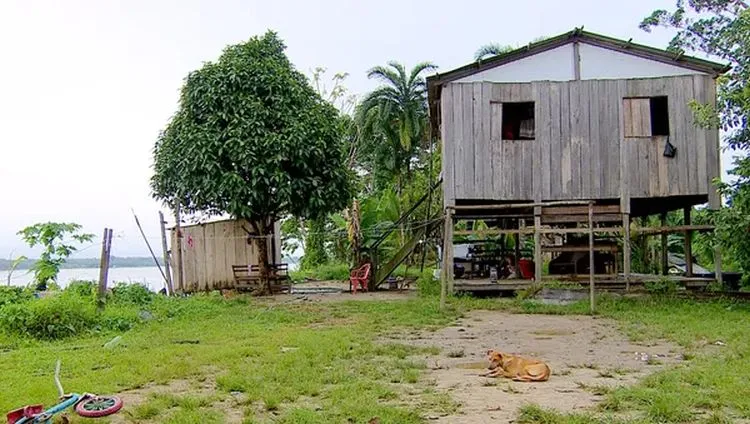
(673, 229)
(591, 257)
(446, 277)
(581, 210)
(626, 250)
(560, 249)
(517, 248)
(688, 242)
(521, 205)
(562, 219)
(664, 257)
(537, 248)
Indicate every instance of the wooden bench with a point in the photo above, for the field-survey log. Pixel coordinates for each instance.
(248, 277)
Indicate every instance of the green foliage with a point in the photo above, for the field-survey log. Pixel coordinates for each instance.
(392, 121)
(55, 238)
(492, 49)
(661, 287)
(132, 294)
(719, 28)
(253, 139)
(83, 289)
(315, 243)
(324, 272)
(428, 285)
(14, 295)
(54, 317)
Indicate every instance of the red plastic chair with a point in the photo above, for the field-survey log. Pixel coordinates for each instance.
(359, 276)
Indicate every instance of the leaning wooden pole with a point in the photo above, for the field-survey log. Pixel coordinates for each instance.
(165, 250)
(591, 257)
(153, 255)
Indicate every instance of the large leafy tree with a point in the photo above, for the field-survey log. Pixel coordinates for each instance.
(252, 139)
(721, 28)
(393, 119)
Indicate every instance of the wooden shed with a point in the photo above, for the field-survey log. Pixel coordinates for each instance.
(530, 138)
(209, 250)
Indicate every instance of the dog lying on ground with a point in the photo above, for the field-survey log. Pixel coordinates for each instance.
(515, 367)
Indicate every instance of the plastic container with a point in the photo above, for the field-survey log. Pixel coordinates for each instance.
(526, 268)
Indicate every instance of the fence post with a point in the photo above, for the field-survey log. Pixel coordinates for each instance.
(104, 267)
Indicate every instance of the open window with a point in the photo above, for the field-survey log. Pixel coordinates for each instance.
(646, 116)
(518, 121)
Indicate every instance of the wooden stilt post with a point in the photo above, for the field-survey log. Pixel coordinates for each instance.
(664, 257)
(626, 249)
(591, 257)
(517, 250)
(688, 242)
(179, 266)
(537, 245)
(446, 274)
(165, 250)
(451, 224)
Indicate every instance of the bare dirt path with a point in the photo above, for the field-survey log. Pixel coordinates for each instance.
(583, 353)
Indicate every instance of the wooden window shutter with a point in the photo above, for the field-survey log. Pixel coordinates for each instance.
(637, 117)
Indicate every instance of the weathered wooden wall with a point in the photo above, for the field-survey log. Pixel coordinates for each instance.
(209, 250)
(580, 150)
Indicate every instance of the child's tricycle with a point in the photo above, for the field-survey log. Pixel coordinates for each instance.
(85, 405)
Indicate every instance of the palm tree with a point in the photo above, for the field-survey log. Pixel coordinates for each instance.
(395, 114)
(492, 49)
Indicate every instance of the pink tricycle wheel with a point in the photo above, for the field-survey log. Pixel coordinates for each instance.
(98, 406)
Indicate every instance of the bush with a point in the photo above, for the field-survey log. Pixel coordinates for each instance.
(50, 318)
(84, 289)
(132, 294)
(427, 285)
(14, 295)
(661, 287)
(325, 272)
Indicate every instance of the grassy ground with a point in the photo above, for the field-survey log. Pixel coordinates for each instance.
(320, 363)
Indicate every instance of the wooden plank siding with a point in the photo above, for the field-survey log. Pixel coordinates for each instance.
(209, 250)
(592, 141)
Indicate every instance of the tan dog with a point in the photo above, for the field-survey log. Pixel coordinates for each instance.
(516, 367)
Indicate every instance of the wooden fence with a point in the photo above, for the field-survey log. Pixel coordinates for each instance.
(210, 249)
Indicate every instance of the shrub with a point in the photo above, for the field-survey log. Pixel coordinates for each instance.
(85, 289)
(14, 295)
(661, 287)
(427, 285)
(50, 318)
(131, 294)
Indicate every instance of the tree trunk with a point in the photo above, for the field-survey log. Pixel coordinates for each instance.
(261, 243)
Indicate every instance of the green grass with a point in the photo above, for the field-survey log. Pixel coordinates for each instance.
(340, 272)
(320, 363)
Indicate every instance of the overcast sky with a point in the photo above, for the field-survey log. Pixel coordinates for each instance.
(85, 86)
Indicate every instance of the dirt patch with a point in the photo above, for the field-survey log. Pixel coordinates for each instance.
(230, 405)
(585, 354)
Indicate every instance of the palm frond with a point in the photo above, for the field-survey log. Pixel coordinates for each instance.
(416, 71)
(492, 49)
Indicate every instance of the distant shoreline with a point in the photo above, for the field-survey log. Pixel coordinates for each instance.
(79, 263)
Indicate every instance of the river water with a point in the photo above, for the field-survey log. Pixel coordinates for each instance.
(149, 276)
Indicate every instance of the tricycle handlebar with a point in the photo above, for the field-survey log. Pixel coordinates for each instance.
(57, 379)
